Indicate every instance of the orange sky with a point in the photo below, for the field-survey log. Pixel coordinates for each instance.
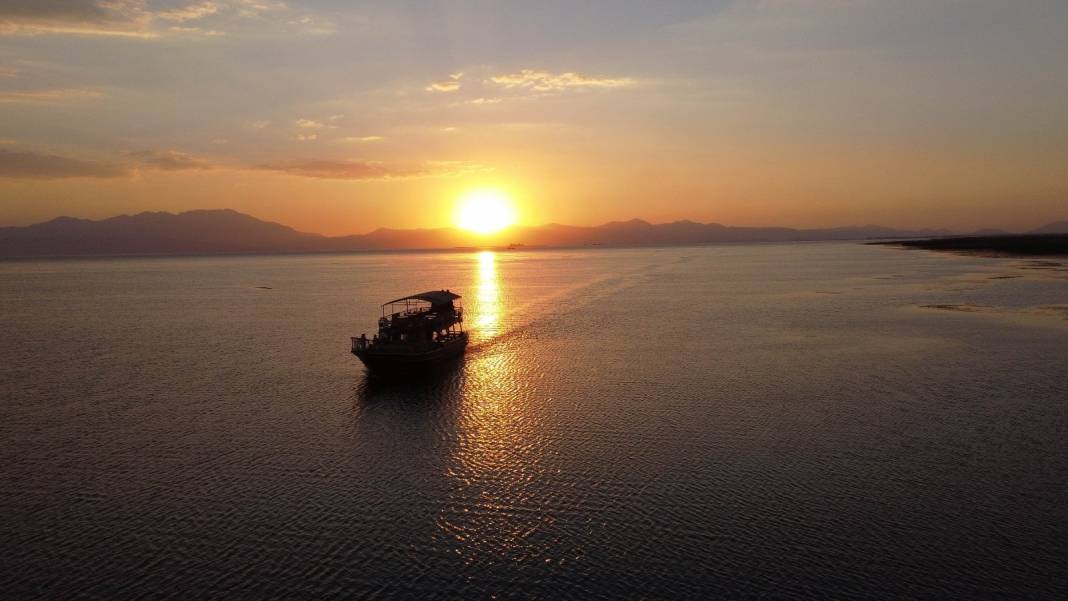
(339, 118)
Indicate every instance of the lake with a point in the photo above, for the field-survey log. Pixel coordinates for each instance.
(792, 421)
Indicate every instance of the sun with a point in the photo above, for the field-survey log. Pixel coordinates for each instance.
(485, 211)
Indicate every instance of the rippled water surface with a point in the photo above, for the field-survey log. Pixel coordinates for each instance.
(820, 421)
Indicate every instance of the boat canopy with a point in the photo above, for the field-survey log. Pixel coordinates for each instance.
(434, 297)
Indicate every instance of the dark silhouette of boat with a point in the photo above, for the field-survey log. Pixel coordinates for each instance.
(416, 334)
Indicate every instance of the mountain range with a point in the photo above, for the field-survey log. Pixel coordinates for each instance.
(228, 231)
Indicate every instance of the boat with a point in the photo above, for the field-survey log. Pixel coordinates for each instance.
(416, 334)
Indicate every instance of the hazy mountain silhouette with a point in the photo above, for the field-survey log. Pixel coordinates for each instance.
(227, 231)
(1059, 227)
(217, 231)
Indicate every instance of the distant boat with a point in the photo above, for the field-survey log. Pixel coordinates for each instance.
(415, 334)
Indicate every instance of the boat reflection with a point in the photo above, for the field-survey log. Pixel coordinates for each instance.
(442, 384)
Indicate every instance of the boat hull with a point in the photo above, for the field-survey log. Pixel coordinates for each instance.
(410, 364)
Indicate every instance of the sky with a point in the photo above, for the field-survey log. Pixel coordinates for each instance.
(342, 117)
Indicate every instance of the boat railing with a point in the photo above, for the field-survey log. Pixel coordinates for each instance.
(421, 310)
(360, 343)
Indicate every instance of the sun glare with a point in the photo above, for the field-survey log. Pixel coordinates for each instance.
(485, 211)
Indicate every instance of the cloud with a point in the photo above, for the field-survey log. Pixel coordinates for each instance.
(446, 85)
(30, 165)
(58, 96)
(544, 81)
(87, 17)
(311, 128)
(485, 101)
(168, 160)
(196, 31)
(254, 8)
(313, 25)
(456, 168)
(189, 12)
(75, 11)
(362, 139)
(350, 170)
(372, 170)
(147, 19)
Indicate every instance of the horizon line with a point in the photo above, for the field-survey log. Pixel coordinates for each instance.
(515, 226)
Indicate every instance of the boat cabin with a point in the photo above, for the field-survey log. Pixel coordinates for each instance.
(415, 322)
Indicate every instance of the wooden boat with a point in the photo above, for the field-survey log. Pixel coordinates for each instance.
(416, 334)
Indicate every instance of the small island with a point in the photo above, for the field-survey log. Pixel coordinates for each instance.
(1021, 244)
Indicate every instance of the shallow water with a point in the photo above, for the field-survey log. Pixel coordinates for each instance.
(822, 421)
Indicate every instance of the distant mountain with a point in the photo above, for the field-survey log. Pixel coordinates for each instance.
(641, 233)
(227, 231)
(1059, 227)
(990, 232)
(217, 231)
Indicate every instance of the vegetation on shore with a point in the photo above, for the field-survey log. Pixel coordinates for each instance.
(1026, 244)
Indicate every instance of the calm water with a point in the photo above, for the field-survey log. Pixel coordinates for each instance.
(824, 421)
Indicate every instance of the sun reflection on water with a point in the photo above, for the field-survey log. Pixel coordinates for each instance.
(495, 465)
(487, 318)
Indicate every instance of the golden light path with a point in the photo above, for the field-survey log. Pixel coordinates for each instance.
(496, 461)
(485, 211)
(488, 295)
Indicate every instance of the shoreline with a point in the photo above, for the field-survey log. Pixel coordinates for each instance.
(1021, 245)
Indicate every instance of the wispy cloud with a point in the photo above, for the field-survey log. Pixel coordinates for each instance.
(309, 129)
(372, 170)
(168, 160)
(85, 17)
(255, 8)
(58, 96)
(544, 81)
(146, 19)
(189, 12)
(313, 25)
(446, 85)
(196, 31)
(456, 168)
(362, 139)
(31, 165)
(351, 170)
(485, 101)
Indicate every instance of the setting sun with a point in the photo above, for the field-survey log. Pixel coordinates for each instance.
(485, 211)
